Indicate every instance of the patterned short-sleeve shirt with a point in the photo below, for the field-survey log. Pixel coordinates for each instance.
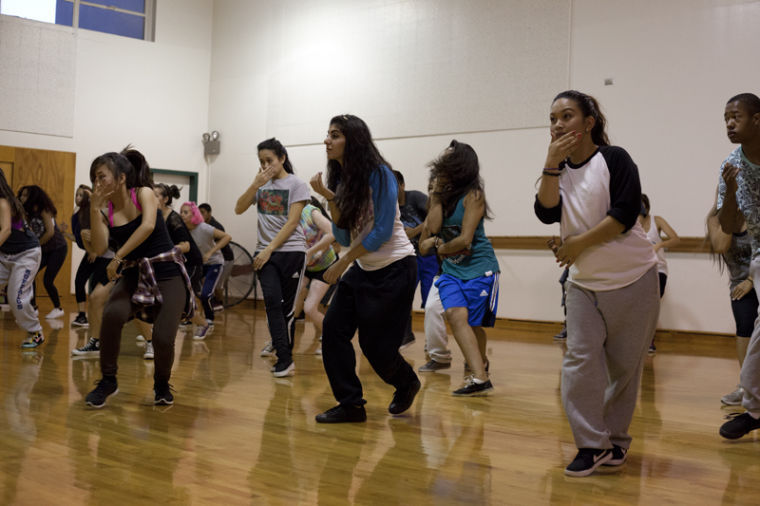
(747, 194)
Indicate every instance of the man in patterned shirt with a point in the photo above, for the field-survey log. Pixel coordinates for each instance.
(739, 202)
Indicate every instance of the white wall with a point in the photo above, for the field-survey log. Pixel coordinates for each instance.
(674, 64)
(151, 94)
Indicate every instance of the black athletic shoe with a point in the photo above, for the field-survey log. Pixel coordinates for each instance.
(619, 455)
(403, 399)
(343, 414)
(80, 321)
(282, 369)
(163, 394)
(738, 425)
(473, 387)
(106, 388)
(586, 461)
(562, 334)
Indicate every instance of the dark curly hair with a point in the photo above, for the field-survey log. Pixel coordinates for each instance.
(350, 182)
(457, 171)
(37, 201)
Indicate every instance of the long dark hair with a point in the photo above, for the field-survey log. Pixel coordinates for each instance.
(170, 192)
(457, 172)
(118, 164)
(83, 213)
(142, 170)
(350, 182)
(17, 210)
(589, 107)
(276, 146)
(37, 201)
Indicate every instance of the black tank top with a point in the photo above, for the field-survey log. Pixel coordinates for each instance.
(157, 242)
(21, 239)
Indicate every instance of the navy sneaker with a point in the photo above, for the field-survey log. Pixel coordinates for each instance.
(163, 394)
(619, 455)
(587, 460)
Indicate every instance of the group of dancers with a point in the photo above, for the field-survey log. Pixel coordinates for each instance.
(153, 262)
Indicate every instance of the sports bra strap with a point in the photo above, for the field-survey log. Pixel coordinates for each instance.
(133, 195)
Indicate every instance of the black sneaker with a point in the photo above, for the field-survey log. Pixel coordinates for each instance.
(562, 334)
(473, 387)
(106, 388)
(406, 342)
(432, 366)
(619, 455)
(402, 400)
(586, 461)
(343, 414)
(90, 349)
(652, 349)
(80, 321)
(739, 425)
(163, 394)
(282, 369)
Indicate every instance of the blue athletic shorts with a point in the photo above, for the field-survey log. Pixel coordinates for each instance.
(480, 296)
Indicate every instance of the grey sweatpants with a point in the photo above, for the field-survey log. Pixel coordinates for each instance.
(18, 272)
(607, 338)
(436, 338)
(750, 376)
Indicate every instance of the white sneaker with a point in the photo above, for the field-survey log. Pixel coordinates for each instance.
(140, 338)
(734, 398)
(268, 350)
(55, 313)
(148, 355)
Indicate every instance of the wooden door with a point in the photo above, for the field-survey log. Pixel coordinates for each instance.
(54, 172)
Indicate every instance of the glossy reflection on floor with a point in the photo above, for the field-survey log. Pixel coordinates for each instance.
(238, 436)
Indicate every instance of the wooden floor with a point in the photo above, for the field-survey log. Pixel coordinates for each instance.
(238, 436)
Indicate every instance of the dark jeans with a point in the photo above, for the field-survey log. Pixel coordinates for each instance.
(52, 261)
(280, 280)
(377, 303)
(211, 276)
(119, 310)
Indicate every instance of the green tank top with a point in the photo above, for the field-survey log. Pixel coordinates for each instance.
(476, 261)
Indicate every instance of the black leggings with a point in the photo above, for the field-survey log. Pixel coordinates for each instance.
(53, 260)
(85, 271)
(120, 309)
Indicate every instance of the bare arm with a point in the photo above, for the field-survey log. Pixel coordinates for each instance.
(324, 225)
(248, 198)
(671, 237)
(719, 240)
(574, 245)
(47, 218)
(221, 239)
(729, 215)
(474, 209)
(294, 219)
(5, 221)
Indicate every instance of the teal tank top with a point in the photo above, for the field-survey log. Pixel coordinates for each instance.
(479, 260)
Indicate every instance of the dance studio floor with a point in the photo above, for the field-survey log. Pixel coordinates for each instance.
(238, 436)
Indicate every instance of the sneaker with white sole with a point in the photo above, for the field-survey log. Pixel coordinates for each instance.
(734, 398)
(282, 369)
(587, 460)
(619, 455)
(55, 313)
(473, 387)
(432, 366)
(140, 338)
(201, 332)
(162, 394)
(106, 388)
(92, 348)
(267, 350)
(148, 355)
(80, 321)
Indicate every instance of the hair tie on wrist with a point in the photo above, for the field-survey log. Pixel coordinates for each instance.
(552, 172)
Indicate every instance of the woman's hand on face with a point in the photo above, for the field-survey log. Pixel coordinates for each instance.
(264, 175)
(101, 195)
(318, 186)
(334, 272)
(562, 147)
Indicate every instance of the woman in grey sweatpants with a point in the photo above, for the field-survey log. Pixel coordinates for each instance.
(613, 300)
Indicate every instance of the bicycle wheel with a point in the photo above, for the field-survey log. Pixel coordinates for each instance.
(242, 278)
